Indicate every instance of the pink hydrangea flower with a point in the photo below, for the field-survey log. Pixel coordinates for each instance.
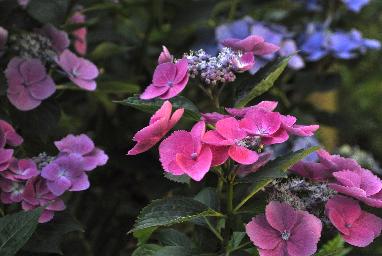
(244, 63)
(252, 43)
(213, 118)
(184, 153)
(168, 81)
(160, 124)
(11, 191)
(238, 143)
(337, 163)
(283, 230)
(20, 169)
(11, 137)
(244, 170)
(59, 39)
(65, 173)
(289, 124)
(165, 56)
(80, 34)
(5, 158)
(28, 83)
(311, 170)
(79, 70)
(357, 227)
(36, 194)
(3, 40)
(83, 146)
(361, 184)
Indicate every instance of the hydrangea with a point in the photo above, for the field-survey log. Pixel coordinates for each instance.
(36, 194)
(11, 191)
(3, 40)
(80, 34)
(169, 80)
(65, 173)
(357, 227)
(283, 230)
(5, 158)
(165, 56)
(28, 83)
(20, 169)
(160, 124)
(11, 137)
(355, 5)
(59, 39)
(184, 153)
(79, 70)
(84, 147)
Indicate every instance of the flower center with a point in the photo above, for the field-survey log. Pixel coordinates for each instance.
(170, 83)
(348, 225)
(194, 156)
(252, 143)
(285, 235)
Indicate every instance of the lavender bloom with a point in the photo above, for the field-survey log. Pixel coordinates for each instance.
(11, 137)
(306, 142)
(65, 173)
(19, 170)
(28, 83)
(36, 194)
(345, 45)
(238, 29)
(355, 5)
(81, 71)
(11, 191)
(84, 147)
(5, 158)
(3, 40)
(315, 42)
(59, 39)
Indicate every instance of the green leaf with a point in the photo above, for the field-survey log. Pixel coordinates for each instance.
(178, 178)
(48, 11)
(48, 236)
(150, 106)
(146, 250)
(235, 240)
(117, 87)
(169, 211)
(175, 251)
(334, 247)
(173, 237)
(106, 50)
(209, 197)
(16, 229)
(277, 168)
(261, 82)
(144, 235)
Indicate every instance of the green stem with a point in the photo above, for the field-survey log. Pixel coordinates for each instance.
(249, 196)
(241, 246)
(213, 230)
(230, 197)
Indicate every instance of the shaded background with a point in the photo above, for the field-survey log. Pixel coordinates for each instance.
(125, 39)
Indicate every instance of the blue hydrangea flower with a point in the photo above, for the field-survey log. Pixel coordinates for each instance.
(315, 42)
(355, 5)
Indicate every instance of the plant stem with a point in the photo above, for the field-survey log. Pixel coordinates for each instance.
(249, 196)
(213, 230)
(230, 197)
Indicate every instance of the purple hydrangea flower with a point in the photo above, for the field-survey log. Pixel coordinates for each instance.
(83, 146)
(36, 194)
(5, 158)
(20, 169)
(10, 136)
(59, 39)
(79, 70)
(11, 191)
(355, 5)
(3, 40)
(238, 29)
(65, 173)
(28, 83)
(315, 42)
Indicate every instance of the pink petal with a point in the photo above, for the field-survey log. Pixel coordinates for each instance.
(175, 89)
(152, 92)
(57, 205)
(87, 70)
(303, 130)
(32, 71)
(175, 118)
(214, 138)
(262, 234)
(89, 85)
(280, 250)
(181, 71)
(80, 183)
(348, 178)
(350, 191)
(23, 100)
(229, 128)
(46, 216)
(219, 154)
(265, 49)
(59, 186)
(242, 155)
(280, 216)
(371, 183)
(278, 137)
(68, 61)
(163, 112)
(165, 56)
(212, 118)
(261, 122)
(200, 167)
(164, 73)
(311, 170)
(244, 170)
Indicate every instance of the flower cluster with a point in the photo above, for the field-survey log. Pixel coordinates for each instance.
(37, 52)
(348, 178)
(171, 76)
(241, 135)
(41, 180)
(352, 5)
(272, 33)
